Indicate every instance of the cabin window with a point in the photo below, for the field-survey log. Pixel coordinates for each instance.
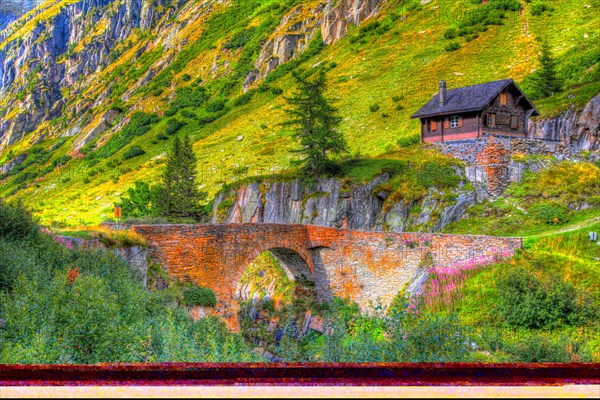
(502, 99)
(514, 122)
(491, 120)
(454, 121)
(433, 126)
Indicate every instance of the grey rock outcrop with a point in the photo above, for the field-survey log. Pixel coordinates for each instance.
(291, 37)
(10, 165)
(341, 14)
(329, 203)
(300, 25)
(575, 130)
(36, 57)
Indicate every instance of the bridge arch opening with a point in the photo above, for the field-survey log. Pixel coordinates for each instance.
(273, 294)
(279, 269)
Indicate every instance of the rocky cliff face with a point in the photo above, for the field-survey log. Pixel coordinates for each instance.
(575, 130)
(45, 69)
(340, 14)
(44, 61)
(299, 26)
(10, 10)
(330, 203)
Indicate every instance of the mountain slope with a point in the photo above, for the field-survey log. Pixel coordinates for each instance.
(73, 77)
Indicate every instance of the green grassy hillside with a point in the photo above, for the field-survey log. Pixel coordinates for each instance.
(391, 64)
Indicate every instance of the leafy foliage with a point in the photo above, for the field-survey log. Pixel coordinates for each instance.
(139, 200)
(15, 221)
(199, 296)
(102, 314)
(132, 152)
(528, 302)
(240, 39)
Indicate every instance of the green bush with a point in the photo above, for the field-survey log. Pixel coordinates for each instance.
(199, 296)
(548, 211)
(15, 221)
(240, 39)
(408, 141)
(103, 315)
(189, 114)
(189, 97)
(132, 152)
(215, 105)
(62, 160)
(173, 126)
(527, 301)
(538, 7)
(244, 98)
(374, 107)
(452, 46)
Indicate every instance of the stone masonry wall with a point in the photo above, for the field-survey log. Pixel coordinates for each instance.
(363, 266)
(488, 159)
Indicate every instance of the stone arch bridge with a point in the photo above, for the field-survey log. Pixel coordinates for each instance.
(364, 266)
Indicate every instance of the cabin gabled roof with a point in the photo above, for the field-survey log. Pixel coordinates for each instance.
(468, 99)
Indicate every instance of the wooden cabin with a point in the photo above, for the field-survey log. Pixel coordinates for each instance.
(498, 107)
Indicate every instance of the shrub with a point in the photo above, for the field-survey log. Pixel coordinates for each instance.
(374, 107)
(62, 160)
(408, 141)
(551, 212)
(215, 105)
(132, 152)
(173, 126)
(199, 296)
(527, 301)
(240, 39)
(186, 77)
(188, 114)
(452, 46)
(538, 7)
(450, 33)
(437, 175)
(15, 221)
(189, 97)
(244, 98)
(139, 124)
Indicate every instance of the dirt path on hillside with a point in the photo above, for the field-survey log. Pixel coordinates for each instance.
(577, 226)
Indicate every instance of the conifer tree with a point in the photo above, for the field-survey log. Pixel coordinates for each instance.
(315, 124)
(178, 196)
(547, 82)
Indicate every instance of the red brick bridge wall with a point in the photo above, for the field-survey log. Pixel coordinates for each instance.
(364, 266)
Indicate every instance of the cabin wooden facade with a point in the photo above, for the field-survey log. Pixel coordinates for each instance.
(498, 107)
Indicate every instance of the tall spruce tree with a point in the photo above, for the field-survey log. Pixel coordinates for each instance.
(178, 196)
(315, 123)
(547, 81)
